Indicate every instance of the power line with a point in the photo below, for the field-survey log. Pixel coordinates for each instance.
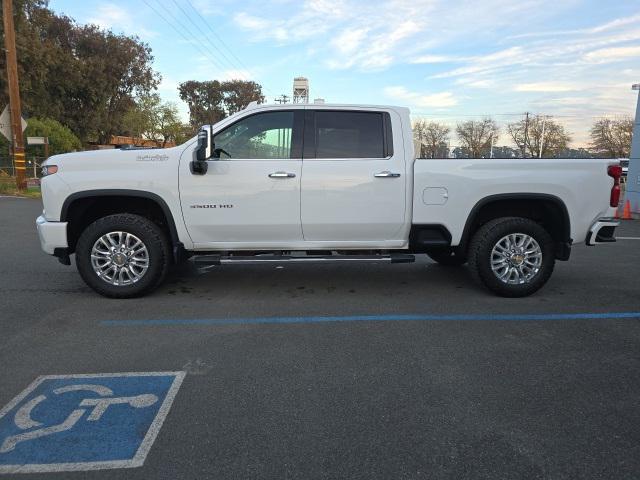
(213, 32)
(179, 32)
(204, 35)
(217, 63)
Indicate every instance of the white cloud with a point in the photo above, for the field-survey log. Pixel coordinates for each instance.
(484, 63)
(350, 40)
(610, 55)
(546, 87)
(546, 71)
(435, 59)
(250, 22)
(611, 25)
(347, 33)
(439, 100)
(470, 82)
(110, 16)
(217, 8)
(615, 24)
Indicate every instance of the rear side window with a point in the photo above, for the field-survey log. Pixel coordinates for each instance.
(344, 134)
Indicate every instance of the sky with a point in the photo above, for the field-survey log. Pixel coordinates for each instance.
(448, 60)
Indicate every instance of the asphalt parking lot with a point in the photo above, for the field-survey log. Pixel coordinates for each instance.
(419, 374)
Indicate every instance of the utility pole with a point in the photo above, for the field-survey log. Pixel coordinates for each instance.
(526, 135)
(14, 94)
(491, 151)
(633, 176)
(544, 124)
(282, 99)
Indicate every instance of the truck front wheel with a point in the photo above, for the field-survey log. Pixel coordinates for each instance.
(123, 256)
(512, 256)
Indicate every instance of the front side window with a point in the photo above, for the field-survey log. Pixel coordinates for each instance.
(261, 136)
(349, 134)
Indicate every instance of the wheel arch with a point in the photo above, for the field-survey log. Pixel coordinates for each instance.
(81, 208)
(549, 210)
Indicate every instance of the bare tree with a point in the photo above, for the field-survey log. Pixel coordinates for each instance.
(477, 136)
(539, 136)
(612, 137)
(432, 138)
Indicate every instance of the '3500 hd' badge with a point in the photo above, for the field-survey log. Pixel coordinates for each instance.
(209, 205)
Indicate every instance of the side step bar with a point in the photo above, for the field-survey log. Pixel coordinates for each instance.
(209, 260)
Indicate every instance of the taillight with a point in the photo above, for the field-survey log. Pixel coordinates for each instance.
(615, 172)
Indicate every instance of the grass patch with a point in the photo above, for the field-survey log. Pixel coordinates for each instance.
(8, 187)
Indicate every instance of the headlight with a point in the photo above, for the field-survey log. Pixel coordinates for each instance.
(49, 170)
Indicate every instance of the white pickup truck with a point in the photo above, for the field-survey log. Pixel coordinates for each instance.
(318, 183)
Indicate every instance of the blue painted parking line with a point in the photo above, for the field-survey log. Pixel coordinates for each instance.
(85, 422)
(369, 318)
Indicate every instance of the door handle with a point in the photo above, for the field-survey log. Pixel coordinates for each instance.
(282, 175)
(386, 174)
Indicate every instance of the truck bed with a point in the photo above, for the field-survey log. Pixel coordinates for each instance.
(447, 190)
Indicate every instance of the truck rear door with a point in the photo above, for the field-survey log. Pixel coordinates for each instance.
(353, 177)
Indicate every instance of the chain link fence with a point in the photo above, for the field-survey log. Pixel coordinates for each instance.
(33, 163)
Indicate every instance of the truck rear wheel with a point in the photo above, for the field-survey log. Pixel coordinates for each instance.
(123, 256)
(512, 256)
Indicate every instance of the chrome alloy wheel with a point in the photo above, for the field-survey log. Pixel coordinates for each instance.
(516, 258)
(119, 258)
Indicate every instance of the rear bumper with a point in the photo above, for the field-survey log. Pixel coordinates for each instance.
(602, 231)
(53, 235)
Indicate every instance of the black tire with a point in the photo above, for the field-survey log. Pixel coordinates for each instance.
(447, 257)
(159, 254)
(489, 234)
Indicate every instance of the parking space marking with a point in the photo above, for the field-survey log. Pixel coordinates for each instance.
(368, 318)
(85, 422)
(627, 238)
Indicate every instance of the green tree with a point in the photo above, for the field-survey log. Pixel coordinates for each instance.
(545, 137)
(82, 76)
(169, 127)
(239, 93)
(61, 139)
(211, 101)
(141, 118)
(612, 137)
(477, 136)
(152, 119)
(204, 100)
(432, 138)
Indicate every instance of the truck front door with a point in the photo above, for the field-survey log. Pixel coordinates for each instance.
(250, 195)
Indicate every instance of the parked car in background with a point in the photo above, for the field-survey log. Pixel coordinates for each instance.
(624, 163)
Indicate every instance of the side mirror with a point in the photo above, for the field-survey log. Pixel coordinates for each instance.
(204, 151)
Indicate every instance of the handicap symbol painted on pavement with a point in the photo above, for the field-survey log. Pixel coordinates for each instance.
(85, 422)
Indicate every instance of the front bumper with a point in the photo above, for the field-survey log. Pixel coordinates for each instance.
(602, 231)
(53, 235)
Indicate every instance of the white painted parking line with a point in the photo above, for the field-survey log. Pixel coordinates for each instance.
(627, 238)
(85, 422)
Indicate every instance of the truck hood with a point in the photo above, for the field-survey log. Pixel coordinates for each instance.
(115, 158)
